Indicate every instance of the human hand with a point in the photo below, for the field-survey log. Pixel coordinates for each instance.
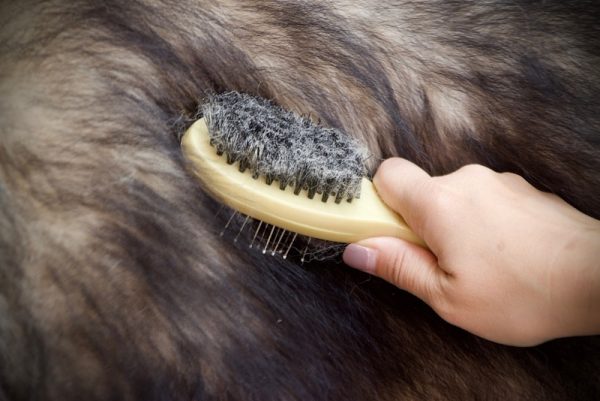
(506, 262)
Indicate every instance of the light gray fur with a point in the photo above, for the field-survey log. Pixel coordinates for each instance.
(285, 147)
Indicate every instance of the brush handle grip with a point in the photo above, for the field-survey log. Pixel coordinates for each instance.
(345, 222)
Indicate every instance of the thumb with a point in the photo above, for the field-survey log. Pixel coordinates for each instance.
(399, 262)
(403, 186)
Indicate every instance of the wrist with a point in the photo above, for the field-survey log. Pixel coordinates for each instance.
(575, 294)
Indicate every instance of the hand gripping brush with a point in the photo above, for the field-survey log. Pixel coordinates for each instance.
(269, 164)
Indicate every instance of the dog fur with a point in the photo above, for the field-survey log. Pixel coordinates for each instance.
(114, 281)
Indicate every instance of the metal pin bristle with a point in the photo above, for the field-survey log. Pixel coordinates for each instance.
(242, 228)
(281, 235)
(290, 246)
(305, 249)
(228, 223)
(262, 236)
(284, 240)
(268, 240)
(255, 234)
(221, 208)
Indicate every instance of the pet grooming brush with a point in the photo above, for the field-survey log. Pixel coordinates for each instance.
(270, 164)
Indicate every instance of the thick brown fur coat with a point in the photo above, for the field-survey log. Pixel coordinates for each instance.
(114, 282)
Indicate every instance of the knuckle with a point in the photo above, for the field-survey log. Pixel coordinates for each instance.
(475, 170)
(514, 178)
(432, 292)
(389, 164)
(398, 267)
(431, 207)
(437, 201)
(385, 177)
(438, 295)
(402, 274)
(406, 274)
(387, 169)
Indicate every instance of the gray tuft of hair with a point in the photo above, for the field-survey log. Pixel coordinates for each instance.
(284, 147)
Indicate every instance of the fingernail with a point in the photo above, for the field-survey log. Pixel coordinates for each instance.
(360, 258)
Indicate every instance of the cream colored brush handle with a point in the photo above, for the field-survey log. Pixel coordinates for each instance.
(346, 222)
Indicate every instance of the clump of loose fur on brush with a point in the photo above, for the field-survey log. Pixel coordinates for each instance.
(284, 147)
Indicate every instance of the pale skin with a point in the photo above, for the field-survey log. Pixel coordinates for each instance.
(505, 261)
